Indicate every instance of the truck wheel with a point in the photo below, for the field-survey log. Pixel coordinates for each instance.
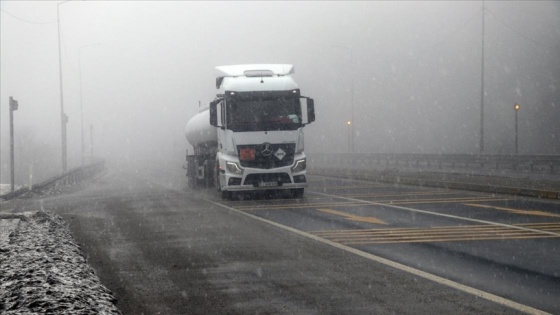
(297, 193)
(226, 195)
(192, 182)
(217, 176)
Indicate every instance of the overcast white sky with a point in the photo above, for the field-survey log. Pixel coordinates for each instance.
(416, 69)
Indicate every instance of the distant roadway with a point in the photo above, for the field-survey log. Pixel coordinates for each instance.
(347, 247)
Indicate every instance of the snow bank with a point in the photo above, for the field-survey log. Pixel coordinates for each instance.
(43, 271)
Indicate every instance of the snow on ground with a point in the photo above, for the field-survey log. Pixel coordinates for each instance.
(43, 271)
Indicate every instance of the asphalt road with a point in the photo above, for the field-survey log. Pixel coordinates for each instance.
(164, 249)
(500, 244)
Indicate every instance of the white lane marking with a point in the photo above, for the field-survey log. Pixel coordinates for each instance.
(461, 287)
(439, 214)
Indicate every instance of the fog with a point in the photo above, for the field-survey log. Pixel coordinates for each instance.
(408, 72)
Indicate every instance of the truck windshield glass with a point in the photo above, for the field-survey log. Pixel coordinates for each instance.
(263, 114)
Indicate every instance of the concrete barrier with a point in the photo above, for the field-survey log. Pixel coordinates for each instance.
(522, 163)
(73, 176)
(496, 185)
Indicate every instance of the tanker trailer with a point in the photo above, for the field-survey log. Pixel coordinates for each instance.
(204, 140)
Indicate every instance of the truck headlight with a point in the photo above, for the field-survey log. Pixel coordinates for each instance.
(234, 168)
(299, 166)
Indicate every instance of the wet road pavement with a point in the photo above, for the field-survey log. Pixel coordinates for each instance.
(501, 244)
(164, 249)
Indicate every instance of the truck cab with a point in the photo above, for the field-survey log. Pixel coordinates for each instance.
(260, 115)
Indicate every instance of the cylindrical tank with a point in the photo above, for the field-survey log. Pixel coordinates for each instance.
(199, 130)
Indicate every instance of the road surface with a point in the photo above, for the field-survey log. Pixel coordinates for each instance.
(347, 247)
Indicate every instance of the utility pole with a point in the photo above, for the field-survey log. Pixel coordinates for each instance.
(63, 117)
(13, 107)
(481, 145)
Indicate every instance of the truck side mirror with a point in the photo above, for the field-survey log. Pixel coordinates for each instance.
(310, 110)
(214, 113)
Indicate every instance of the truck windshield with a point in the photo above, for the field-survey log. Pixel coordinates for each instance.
(263, 113)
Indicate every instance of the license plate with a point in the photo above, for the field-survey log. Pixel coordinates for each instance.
(268, 184)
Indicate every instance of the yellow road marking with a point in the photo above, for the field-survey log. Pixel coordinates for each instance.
(353, 217)
(315, 187)
(362, 203)
(517, 211)
(387, 262)
(457, 239)
(301, 206)
(551, 227)
(450, 200)
(438, 214)
(397, 231)
(404, 194)
(436, 234)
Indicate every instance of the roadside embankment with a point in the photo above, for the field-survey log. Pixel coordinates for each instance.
(42, 270)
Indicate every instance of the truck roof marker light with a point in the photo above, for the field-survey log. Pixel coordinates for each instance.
(258, 73)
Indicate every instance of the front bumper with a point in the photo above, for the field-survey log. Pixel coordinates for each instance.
(259, 179)
(253, 188)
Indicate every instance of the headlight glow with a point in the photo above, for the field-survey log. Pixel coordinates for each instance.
(299, 166)
(234, 168)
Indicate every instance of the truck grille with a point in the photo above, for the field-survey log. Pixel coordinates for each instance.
(268, 155)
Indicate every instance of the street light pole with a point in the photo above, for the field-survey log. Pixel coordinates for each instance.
(81, 100)
(63, 117)
(352, 95)
(91, 142)
(13, 107)
(349, 123)
(481, 144)
(516, 107)
(350, 126)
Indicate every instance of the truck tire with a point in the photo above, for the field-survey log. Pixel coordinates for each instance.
(190, 183)
(297, 193)
(226, 195)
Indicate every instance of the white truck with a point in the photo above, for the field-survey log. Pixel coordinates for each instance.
(251, 136)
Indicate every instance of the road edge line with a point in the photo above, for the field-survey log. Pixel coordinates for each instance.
(455, 285)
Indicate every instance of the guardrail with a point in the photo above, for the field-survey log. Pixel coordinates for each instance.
(518, 163)
(531, 176)
(72, 176)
